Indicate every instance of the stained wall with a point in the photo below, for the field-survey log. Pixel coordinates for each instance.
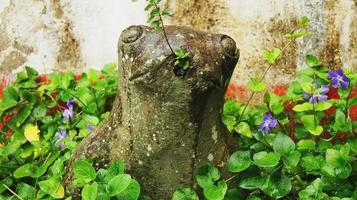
(74, 34)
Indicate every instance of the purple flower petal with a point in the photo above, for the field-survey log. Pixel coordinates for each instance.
(331, 74)
(322, 97)
(273, 123)
(340, 72)
(90, 127)
(266, 131)
(324, 89)
(267, 116)
(306, 95)
(260, 127)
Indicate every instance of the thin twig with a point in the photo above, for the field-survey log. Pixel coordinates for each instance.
(163, 30)
(12, 192)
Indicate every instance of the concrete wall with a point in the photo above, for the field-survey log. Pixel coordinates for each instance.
(75, 34)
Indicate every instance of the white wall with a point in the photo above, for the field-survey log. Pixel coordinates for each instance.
(76, 34)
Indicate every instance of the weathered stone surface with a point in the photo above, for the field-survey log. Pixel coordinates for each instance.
(162, 125)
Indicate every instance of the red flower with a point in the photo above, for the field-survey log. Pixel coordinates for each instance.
(6, 118)
(43, 78)
(78, 77)
(236, 92)
(1, 125)
(333, 93)
(2, 87)
(280, 90)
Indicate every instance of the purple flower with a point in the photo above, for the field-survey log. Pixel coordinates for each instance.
(68, 113)
(268, 122)
(90, 127)
(338, 78)
(318, 95)
(60, 136)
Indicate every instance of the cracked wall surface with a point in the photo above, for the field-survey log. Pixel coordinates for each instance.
(74, 35)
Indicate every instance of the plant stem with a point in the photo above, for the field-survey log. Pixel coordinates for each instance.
(313, 110)
(261, 78)
(231, 178)
(12, 192)
(163, 30)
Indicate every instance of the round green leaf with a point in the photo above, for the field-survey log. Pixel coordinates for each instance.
(132, 192)
(303, 107)
(323, 105)
(283, 144)
(306, 144)
(185, 194)
(215, 192)
(277, 186)
(207, 175)
(89, 192)
(118, 184)
(264, 159)
(292, 159)
(84, 171)
(243, 128)
(24, 171)
(239, 161)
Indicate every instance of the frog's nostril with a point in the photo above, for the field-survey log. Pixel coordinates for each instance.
(131, 34)
(229, 45)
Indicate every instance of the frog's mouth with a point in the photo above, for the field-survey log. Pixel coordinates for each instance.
(149, 70)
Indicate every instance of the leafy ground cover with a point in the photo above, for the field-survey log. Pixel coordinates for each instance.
(42, 118)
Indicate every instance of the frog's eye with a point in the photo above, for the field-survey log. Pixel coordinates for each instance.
(229, 45)
(132, 34)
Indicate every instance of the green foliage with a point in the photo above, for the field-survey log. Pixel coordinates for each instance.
(31, 115)
(111, 183)
(298, 145)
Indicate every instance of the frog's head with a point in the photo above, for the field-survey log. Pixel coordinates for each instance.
(144, 56)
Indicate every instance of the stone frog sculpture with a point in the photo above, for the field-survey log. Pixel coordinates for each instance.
(162, 125)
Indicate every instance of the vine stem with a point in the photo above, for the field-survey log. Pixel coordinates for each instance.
(261, 78)
(163, 30)
(12, 192)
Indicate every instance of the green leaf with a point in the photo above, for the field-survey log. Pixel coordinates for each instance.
(118, 184)
(272, 56)
(306, 144)
(89, 191)
(239, 161)
(311, 163)
(322, 106)
(207, 175)
(312, 61)
(283, 144)
(264, 159)
(231, 107)
(304, 21)
(185, 194)
(43, 168)
(310, 125)
(115, 169)
(313, 191)
(292, 159)
(31, 72)
(132, 192)
(26, 170)
(303, 107)
(84, 171)
(52, 187)
(252, 182)
(256, 85)
(215, 192)
(25, 191)
(243, 128)
(308, 87)
(352, 102)
(277, 185)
